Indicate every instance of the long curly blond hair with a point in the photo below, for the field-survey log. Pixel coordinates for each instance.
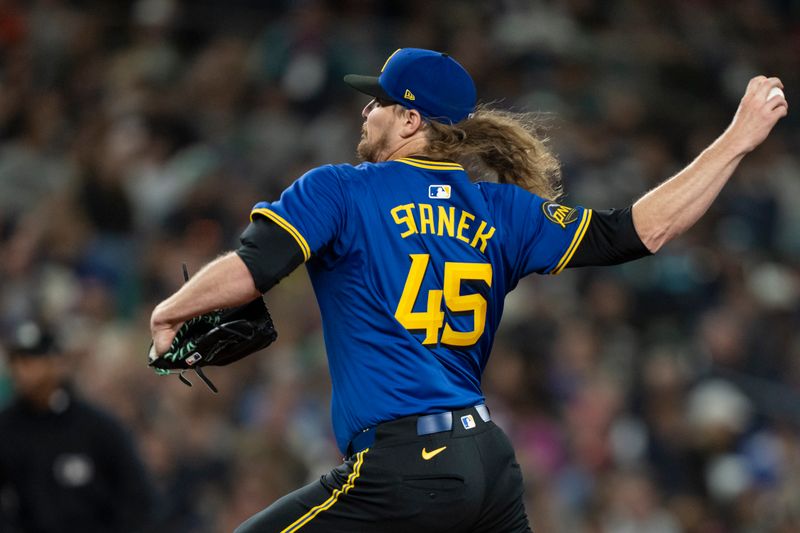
(505, 145)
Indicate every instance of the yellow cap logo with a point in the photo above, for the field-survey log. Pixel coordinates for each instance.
(409, 95)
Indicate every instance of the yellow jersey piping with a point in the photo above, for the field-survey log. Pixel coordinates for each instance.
(327, 504)
(283, 223)
(576, 240)
(430, 165)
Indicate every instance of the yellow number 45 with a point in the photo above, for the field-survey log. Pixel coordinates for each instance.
(431, 320)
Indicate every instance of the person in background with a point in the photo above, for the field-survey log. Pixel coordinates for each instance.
(65, 465)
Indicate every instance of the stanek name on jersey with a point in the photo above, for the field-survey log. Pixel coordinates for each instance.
(442, 221)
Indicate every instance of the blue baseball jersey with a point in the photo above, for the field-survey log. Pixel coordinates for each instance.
(410, 262)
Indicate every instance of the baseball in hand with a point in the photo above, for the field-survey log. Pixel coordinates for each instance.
(775, 91)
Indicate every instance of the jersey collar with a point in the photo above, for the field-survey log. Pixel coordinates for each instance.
(428, 163)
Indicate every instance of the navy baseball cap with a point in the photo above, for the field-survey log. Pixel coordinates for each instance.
(431, 82)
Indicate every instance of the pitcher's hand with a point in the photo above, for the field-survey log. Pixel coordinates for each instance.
(756, 115)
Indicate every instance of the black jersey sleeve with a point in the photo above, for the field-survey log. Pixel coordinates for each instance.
(610, 239)
(269, 252)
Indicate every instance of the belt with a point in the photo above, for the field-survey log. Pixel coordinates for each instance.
(426, 424)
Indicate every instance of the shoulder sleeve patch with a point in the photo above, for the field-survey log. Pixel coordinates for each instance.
(559, 214)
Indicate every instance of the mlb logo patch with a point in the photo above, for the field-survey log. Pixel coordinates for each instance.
(439, 192)
(468, 421)
(192, 359)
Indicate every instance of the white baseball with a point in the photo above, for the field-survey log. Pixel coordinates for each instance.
(775, 91)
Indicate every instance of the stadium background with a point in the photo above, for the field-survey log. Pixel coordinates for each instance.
(662, 395)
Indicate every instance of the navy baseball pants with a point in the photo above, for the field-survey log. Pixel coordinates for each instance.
(462, 480)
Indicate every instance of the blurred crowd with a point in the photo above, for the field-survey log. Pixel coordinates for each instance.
(658, 396)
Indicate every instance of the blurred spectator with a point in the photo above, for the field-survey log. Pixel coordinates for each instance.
(634, 507)
(65, 465)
